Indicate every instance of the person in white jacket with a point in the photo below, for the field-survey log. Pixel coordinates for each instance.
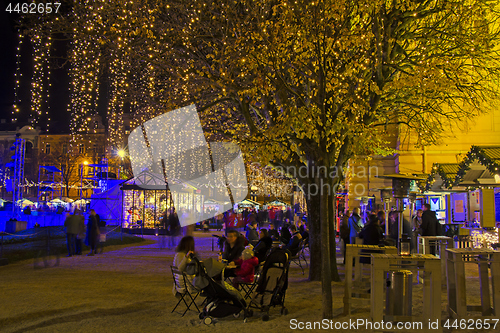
(181, 260)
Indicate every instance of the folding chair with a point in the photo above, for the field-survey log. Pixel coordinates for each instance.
(248, 288)
(300, 257)
(178, 275)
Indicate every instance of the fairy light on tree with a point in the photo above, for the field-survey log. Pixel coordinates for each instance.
(17, 79)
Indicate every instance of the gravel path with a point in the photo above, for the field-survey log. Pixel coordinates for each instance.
(129, 289)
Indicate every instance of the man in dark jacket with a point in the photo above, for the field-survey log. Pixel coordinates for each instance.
(72, 228)
(264, 244)
(354, 225)
(371, 234)
(92, 233)
(252, 235)
(293, 244)
(344, 231)
(430, 225)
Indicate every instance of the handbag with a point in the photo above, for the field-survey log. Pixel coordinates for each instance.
(102, 238)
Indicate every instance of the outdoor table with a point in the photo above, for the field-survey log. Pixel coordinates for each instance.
(457, 305)
(382, 263)
(424, 247)
(357, 251)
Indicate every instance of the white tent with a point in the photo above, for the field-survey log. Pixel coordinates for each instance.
(108, 205)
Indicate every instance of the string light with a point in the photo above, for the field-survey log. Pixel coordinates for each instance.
(17, 79)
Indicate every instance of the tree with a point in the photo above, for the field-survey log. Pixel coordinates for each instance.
(68, 161)
(308, 84)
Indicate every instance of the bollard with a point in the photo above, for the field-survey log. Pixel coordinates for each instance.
(398, 296)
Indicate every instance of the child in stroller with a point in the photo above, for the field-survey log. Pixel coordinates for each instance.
(222, 299)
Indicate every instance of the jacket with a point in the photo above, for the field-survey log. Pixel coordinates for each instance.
(293, 244)
(262, 247)
(354, 226)
(233, 253)
(246, 270)
(430, 224)
(252, 235)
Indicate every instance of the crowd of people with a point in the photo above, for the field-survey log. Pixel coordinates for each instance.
(243, 253)
(424, 223)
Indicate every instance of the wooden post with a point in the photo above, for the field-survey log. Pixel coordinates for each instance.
(485, 286)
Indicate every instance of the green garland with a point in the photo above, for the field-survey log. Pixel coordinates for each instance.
(437, 170)
(476, 153)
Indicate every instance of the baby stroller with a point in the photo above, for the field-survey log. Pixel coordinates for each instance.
(272, 284)
(222, 299)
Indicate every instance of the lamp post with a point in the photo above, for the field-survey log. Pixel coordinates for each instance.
(385, 197)
(81, 178)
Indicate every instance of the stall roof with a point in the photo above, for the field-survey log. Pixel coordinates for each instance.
(50, 168)
(442, 176)
(479, 167)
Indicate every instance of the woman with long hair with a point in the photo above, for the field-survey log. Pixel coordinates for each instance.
(182, 258)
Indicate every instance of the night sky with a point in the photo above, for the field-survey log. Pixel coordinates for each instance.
(59, 91)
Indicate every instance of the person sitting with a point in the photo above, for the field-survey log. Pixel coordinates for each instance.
(233, 246)
(303, 230)
(286, 235)
(252, 235)
(181, 259)
(273, 233)
(264, 244)
(246, 270)
(294, 242)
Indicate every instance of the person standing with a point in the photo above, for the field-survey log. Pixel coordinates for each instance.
(252, 234)
(81, 232)
(344, 231)
(430, 225)
(173, 227)
(416, 223)
(71, 225)
(92, 236)
(371, 234)
(354, 226)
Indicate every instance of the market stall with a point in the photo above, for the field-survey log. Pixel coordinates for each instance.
(144, 207)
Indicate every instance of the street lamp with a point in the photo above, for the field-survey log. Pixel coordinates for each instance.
(81, 178)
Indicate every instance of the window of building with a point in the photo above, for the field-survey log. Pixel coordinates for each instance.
(96, 124)
(65, 149)
(47, 148)
(81, 149)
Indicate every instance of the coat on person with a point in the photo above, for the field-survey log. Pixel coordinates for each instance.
(294, 243)
(72, 224)
(174, 227)
(92, 236)
(430, 225)
(371, 234)
(233, 253)
(252, 235)
(246, 270)
(260, 250)
(354, 227)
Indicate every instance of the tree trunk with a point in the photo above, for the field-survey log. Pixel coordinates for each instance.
(326, 276)
(313, 220)
(333, 233)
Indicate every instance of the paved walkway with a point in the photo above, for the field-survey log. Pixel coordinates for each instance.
(129, 289)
